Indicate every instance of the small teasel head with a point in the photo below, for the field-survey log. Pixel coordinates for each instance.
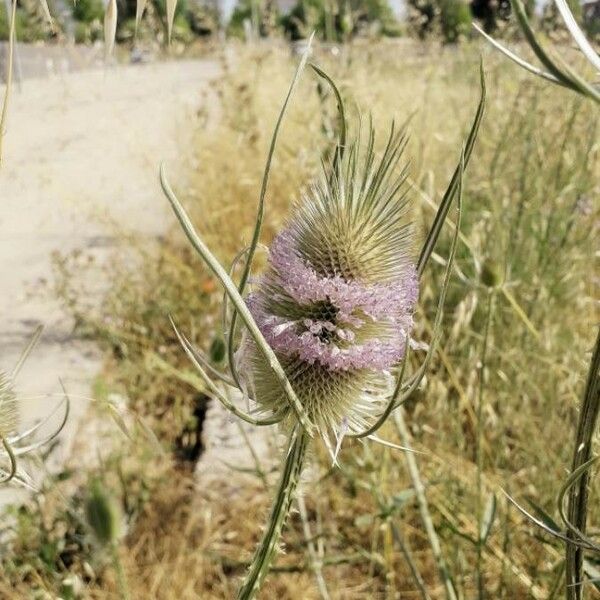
(336, 301)
(490, 274)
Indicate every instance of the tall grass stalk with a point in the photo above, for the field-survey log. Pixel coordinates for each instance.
(399, 420)
(316, 560)
(410, 561)
(119, 571)
(489, 311)
(420, 492)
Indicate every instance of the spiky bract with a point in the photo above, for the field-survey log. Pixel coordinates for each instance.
(9, 412)
(337, 299)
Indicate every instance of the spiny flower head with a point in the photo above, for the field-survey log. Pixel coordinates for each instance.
(336, 301)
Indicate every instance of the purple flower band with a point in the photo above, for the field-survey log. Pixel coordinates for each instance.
(332, 343)
(305, 285)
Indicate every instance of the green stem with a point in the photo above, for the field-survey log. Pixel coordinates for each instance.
(479, 456)
(290, 475)
(589, 418)
(120, 572)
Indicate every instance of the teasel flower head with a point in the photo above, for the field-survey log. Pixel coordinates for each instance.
(336, 302)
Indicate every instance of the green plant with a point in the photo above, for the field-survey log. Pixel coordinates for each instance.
(105, 522)
(31, 24)
(455, 19)
(88, 11)
(260, 15)
(339, 20)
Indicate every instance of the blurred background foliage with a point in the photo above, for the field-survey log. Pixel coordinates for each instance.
(333, 21)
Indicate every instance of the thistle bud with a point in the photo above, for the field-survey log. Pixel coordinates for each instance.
(336, 301)
(217, 350)
(490, 276)
(102, 515)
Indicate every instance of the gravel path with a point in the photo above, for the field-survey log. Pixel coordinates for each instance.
(81, 149)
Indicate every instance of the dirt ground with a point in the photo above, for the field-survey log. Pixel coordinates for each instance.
(81, 149)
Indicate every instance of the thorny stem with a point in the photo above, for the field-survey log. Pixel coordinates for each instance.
(419, 488)
(478, 447)
(290, 475)
(405, 549)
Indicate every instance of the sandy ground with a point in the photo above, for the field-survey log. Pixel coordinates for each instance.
(81, 149)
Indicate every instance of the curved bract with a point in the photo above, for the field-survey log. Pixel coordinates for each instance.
(15, 443)
(557, 71)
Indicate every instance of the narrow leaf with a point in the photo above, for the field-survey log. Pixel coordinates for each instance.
(564, 74)
(237, 301)
(29, 348)
(260, 212)
(339, 151)
(440, 217)
(517, 59)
